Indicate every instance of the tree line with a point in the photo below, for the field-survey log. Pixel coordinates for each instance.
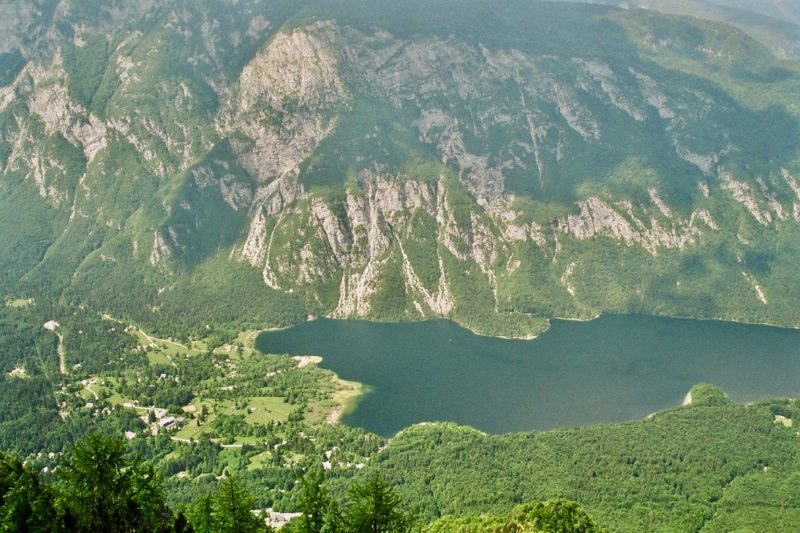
(100, 486)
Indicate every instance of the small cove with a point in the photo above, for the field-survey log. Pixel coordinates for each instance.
(612, 369)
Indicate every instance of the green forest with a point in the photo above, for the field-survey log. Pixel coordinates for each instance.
(100, 486)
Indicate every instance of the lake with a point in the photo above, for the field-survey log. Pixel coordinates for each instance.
(614, 368)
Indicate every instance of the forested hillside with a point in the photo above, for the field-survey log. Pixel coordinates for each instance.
(709, 466)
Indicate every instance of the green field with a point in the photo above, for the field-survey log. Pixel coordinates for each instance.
(20, 303)
(266, 409)
(259, 460)
(256, 411)
(158, 358)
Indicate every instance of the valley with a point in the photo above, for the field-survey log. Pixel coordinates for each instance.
(168, 361)
(224, 408)
(438, 243)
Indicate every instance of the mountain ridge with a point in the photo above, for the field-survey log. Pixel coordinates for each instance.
(773, 23)
(364, 173)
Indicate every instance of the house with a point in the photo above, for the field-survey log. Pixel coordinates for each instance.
(278, 520)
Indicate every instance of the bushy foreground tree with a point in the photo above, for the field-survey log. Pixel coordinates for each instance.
(98, 487)
(103, 490)
(25, 503)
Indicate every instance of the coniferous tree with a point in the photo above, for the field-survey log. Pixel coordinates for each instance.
(334, 522)
(29, 505)
(314, 503)
(10, 470)
(375, 508)
(232, 509)
(103, 490)
(202, 515)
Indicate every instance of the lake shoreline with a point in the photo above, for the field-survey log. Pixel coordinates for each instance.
(612, 368)
(529, 337)
(346, 399)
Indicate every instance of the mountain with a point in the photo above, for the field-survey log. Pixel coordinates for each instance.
(776, 24)
(238, 161)
(779, 9)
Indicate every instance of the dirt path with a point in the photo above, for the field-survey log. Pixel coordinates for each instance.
(89, 388)
(150, 338)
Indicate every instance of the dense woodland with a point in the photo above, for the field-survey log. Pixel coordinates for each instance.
(100, 486)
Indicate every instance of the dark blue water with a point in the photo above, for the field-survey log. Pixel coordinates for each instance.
(615, 368)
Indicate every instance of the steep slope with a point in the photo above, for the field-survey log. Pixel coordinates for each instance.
(500, 166)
